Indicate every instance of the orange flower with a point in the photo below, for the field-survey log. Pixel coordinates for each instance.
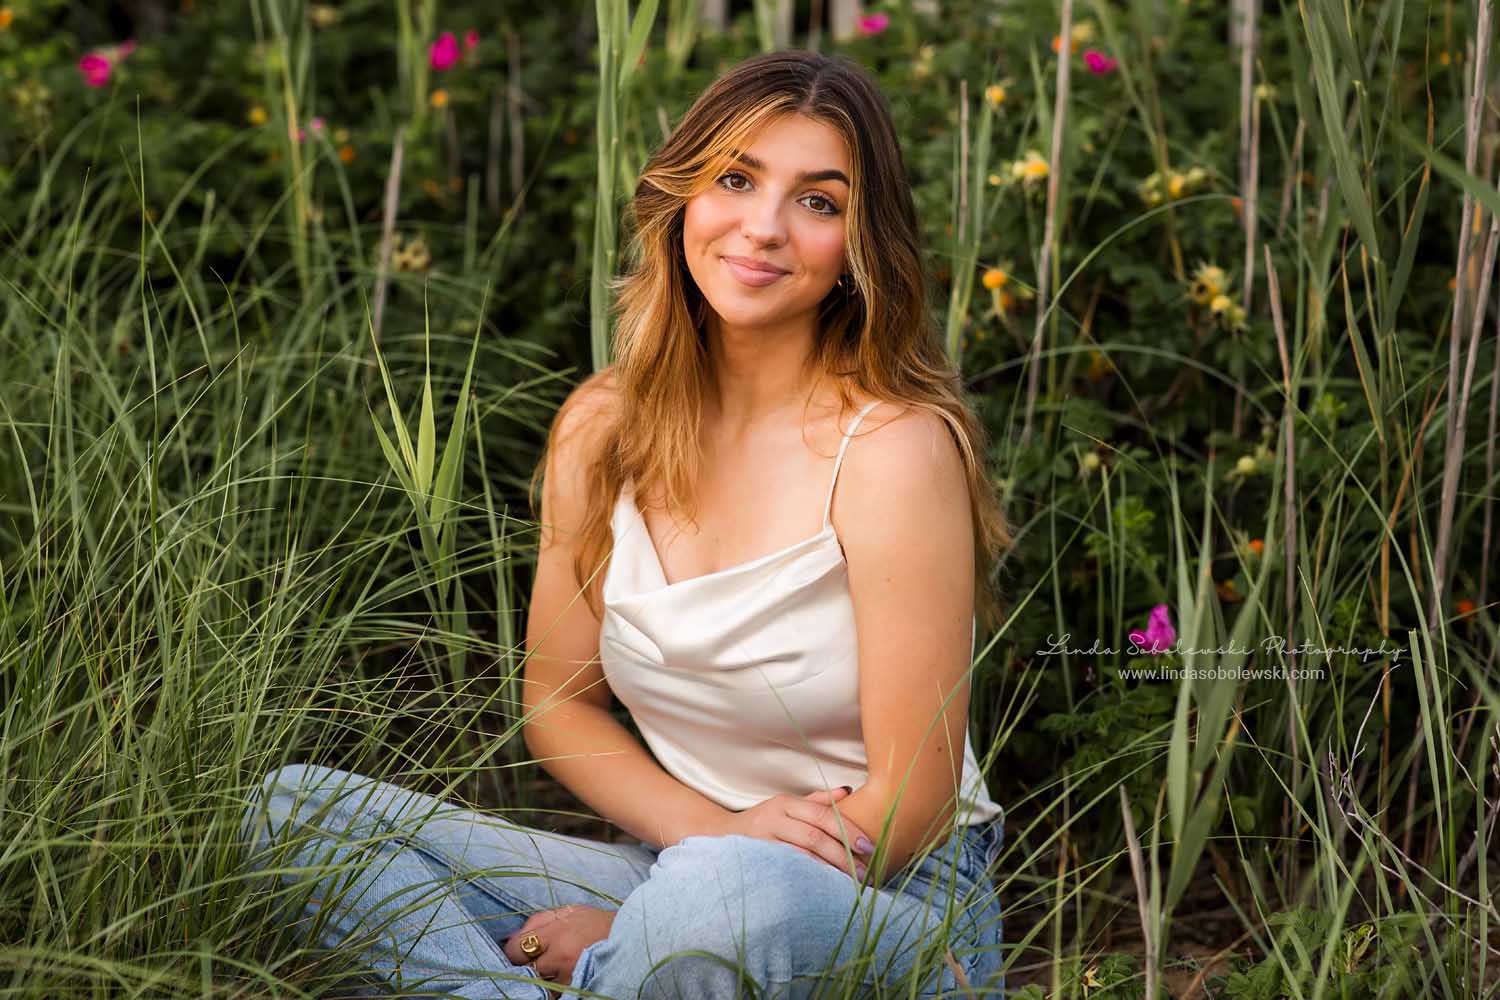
(1228, 593)
(1258, 546)
(455, 184)
(995, 278)
(1453, 283)
(439, 98)
(346, 154)
(1238, 204)
(1464, 606)
(431, 187)
(6, 16)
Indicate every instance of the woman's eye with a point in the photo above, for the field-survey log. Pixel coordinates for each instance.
(831, 209)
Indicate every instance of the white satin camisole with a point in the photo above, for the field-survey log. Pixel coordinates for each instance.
(745, 682)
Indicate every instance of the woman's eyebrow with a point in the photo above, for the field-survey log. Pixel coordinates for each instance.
(806, 175)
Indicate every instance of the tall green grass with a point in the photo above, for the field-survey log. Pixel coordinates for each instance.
(229, 538)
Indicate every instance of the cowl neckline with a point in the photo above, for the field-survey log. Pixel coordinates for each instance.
(812, 542)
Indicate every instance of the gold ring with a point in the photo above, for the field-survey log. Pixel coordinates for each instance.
(531, 946)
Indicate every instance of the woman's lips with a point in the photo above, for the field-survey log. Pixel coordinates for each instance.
(750, 276)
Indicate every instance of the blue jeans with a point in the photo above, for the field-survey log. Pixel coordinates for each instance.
(427, 891)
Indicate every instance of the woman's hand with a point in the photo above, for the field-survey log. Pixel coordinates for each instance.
(809, 824)
(564, 933)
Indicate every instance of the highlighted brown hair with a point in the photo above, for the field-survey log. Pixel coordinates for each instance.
(877, 336)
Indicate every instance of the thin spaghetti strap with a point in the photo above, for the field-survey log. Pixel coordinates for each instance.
(838, 461)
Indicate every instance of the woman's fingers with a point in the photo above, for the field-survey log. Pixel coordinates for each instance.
(859, 869)
(820, 836)
(830, 794)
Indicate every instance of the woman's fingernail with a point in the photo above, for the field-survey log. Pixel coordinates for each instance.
(860, 871)
(864, 845)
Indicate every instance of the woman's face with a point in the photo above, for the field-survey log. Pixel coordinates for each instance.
(761, 210)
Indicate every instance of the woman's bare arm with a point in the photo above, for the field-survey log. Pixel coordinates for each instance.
(568, 727)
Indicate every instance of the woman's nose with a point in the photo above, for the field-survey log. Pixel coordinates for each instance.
(762, 222)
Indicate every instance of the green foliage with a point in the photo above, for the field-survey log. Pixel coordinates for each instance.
(223, 495)
(1367, 959)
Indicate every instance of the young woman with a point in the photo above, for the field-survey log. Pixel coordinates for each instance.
(810, 811)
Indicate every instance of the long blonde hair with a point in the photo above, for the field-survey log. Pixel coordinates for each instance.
(877, 334)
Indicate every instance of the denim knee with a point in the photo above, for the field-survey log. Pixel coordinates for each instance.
(269, 805)
(749, 875)
(714, 907)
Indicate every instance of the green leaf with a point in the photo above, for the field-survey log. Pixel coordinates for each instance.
(390, 395)
(640, 30)
(427, 424)
(445, 490)
(393, 458)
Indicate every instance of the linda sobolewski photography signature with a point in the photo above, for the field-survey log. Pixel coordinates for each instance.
(1271, 645)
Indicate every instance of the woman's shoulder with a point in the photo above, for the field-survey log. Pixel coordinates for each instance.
(897, 436)
(587, 410)
(879, 413)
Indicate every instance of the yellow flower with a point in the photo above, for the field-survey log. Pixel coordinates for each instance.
(994, 180)
(1208, 282)
(1089, 462)
(995, 278)
(1081, 32)
(995, 94)
(439, 98)
(1175, 185)
(6, 16)
(1220, 303)
(1245, 466)
(340, 135)
(322, 15)
(257, 115)
(1033, 167)
(346, 154)
(413, 257)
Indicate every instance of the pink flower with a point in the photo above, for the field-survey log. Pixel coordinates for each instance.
(1159, 634)
(471, 39)
(95, 69)
(444, 52)
(1099, 63)
(126, 47)
(316, 124)
(873, 24)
